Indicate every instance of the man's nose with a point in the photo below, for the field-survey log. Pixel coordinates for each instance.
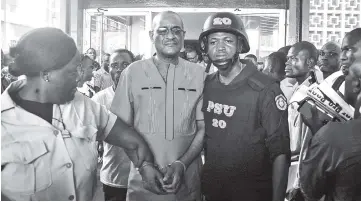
(221, 46)
(170, 35)
(343, 55)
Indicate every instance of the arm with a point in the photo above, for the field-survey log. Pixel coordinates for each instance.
(197, 144)
(280, 177)
(320, 158)
(274, 120)
(122, 135)
(137, 149)
(176, 170)
(196, 147)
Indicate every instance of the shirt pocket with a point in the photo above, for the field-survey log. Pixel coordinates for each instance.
(149, 109)
(85, 142)
(185, 110)
(27, 167)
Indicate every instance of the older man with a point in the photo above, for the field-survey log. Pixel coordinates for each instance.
(161, 97)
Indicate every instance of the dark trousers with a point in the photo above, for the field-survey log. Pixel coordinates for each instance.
(114, 194)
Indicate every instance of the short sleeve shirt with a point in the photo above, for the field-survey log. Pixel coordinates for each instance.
(102, 79)
(58, 161)
(165, 114)
(116, 164)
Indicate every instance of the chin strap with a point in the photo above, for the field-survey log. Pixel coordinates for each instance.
(230, 62)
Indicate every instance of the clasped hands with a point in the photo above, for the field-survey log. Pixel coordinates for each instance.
(163, 181)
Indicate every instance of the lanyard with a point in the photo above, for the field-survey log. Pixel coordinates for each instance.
(64, 132)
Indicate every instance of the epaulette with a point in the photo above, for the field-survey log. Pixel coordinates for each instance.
(259, 81)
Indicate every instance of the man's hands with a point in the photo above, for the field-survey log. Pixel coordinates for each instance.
(315, 121)
(164, 183)
(152, 179)
(173, 177)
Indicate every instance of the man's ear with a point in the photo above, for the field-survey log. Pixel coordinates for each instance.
(311, 62)
(151, 34)
(45, 75)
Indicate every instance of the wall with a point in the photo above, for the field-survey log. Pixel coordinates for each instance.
(193, 24)
(330, 20)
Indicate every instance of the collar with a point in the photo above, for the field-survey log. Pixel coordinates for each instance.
(6, 101)
(181, 62)
(247, 71)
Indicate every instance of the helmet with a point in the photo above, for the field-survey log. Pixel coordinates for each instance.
(224, 22)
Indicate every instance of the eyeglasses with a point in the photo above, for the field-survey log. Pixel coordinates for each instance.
(119, 66)
(175, 31)
(329, 54)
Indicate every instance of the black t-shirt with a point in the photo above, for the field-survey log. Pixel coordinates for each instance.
(246, 128)
(42, 110)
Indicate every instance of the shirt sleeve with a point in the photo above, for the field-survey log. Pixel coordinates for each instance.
(122, 104)
(274, 121)
(319, 161)
(105, 120)
(199, 112)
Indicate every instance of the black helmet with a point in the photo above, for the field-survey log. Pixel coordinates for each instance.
(224, 22)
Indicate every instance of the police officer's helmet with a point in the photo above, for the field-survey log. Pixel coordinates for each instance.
(224, 22)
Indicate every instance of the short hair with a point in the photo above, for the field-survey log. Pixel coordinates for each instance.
(356, 35)
(91, 49)
(251, 56)
(166, 13)
(278, 62)
(106, 54)
(284, 49)
(122, 50)
(309, 47)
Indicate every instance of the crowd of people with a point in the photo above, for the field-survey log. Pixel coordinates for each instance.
(151, 120)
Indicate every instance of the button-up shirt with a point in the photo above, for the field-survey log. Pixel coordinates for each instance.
(116, 164)
(58, 161)
(102, 79)
(165, 114)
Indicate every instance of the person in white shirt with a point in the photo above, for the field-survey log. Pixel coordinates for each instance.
(116, 164)
(300, 65)
(49, 130)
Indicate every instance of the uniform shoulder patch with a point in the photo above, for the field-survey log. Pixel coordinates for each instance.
(281, 102)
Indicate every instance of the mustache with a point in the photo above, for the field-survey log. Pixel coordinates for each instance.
(170, 41)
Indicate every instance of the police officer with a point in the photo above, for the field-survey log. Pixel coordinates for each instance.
(246, 120)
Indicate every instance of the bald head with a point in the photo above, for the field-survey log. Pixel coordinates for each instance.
(332, 46)
(329, 58)
(166, 15)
